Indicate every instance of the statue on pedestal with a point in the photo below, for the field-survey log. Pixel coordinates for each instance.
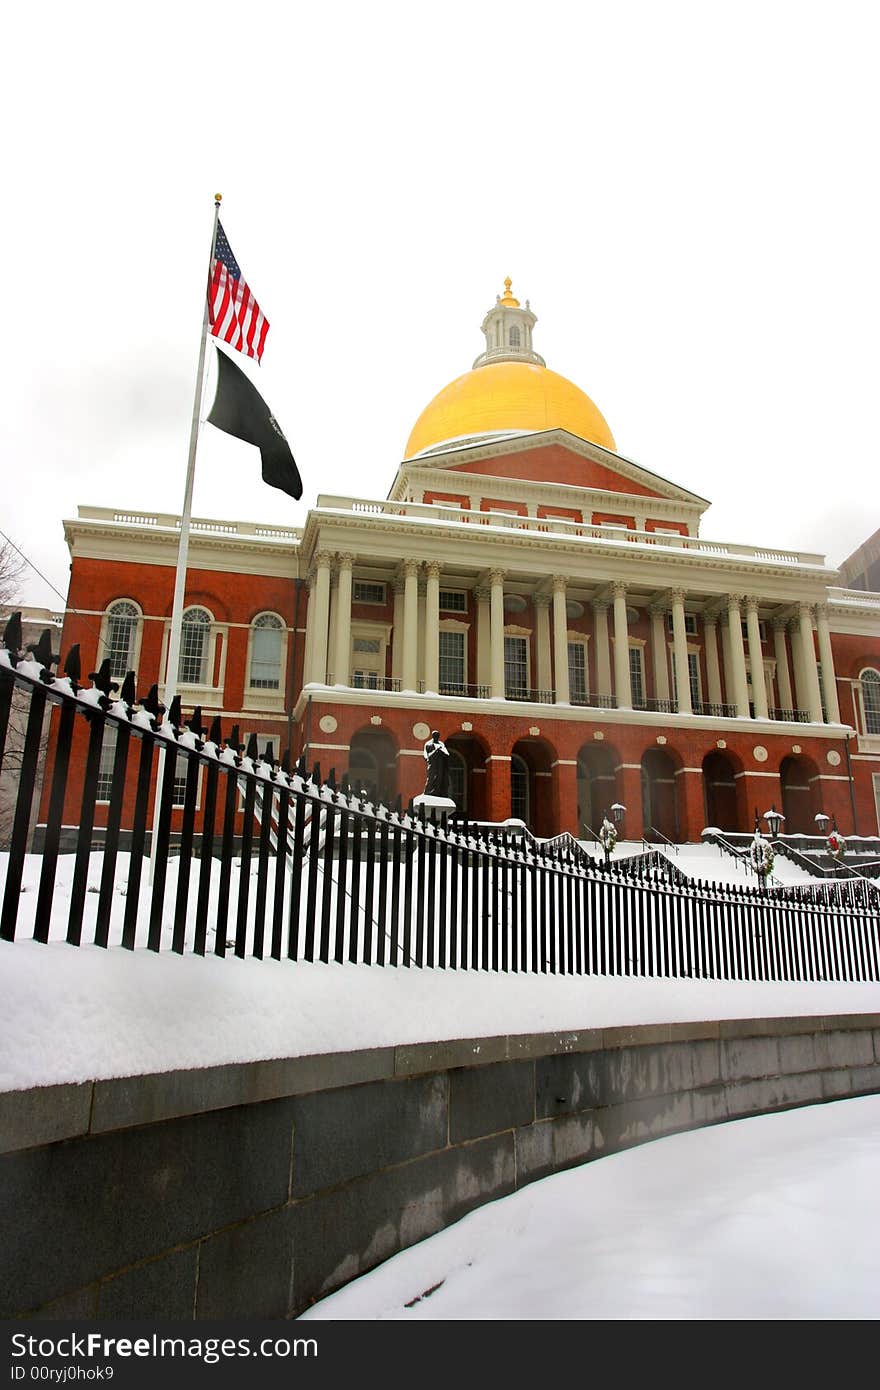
(437, 760)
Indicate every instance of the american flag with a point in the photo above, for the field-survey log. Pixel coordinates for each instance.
(236, 317)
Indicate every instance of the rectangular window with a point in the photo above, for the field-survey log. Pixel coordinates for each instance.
(516, 667)
(694, 678)
(105, 769)
(367, 644)
(453, 601)
(690, 624)
(762, 630)
(577, 670)
(637, 676)
(365, 591)
(452, 662)
(180, 780)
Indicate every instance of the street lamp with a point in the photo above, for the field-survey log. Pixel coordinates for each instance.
(774, 820)
(822, 822)
(618, 812)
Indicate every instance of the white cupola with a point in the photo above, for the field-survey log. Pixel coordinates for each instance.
(508, 329)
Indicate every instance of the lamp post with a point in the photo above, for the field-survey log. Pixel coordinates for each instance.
(774, 820)
(822, 822)
(618, 812)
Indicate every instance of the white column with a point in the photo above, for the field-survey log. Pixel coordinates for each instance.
(808, 658)
(603, 658)
(622, 682)
(342, 651)
(560, 641)
(727, 667)
(483, 595)
(783, 678)
(658, 652)
(397, 631)
(756, 659)
(737, 657)
(826, 656)
(318, 653)
(432, 628)
(310, 627)
(542, 641)
(496, 680)
(801, 701)
(680, 648)
(410, 665)
(713, 670)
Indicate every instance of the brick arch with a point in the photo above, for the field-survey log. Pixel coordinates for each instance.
(597, 784)
(373, 762)
(537, 756)
(798, 793)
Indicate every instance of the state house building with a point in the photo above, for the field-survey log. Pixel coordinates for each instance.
(549, 605)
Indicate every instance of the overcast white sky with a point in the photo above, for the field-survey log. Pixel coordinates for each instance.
(686, 193)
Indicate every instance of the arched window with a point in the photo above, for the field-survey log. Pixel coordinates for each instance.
(515, 337)
(119, 643)
(871, 700)
(266, 652)
(194, 647)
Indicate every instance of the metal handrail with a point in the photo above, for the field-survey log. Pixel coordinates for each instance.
(725, 845)
(664, 839)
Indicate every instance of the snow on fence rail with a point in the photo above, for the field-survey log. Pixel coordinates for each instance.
(338, 877)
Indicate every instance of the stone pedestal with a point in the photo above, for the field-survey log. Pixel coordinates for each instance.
(437, 808)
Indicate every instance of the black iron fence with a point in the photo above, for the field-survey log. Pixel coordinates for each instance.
(272, 860)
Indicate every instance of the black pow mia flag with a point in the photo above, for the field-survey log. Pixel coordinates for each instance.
(240, 410)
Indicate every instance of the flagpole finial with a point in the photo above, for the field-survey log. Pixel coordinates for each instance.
(218, 198)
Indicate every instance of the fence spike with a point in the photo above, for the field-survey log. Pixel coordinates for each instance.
(269, 755)
(234, 740)
(398, 806)
(102, 680)
(252, 750)
(153, 705)
(175, 714)
(12, 634)
(301, 766)
(316, 774)
(215, 735)
(42, 652)
(194, 723)
(345, 786)
(285, 762)
(128, 693)
(73, 666)
(331, 779)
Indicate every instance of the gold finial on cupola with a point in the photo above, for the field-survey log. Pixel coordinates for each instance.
(507, 297)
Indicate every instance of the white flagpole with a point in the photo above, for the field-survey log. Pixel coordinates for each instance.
(183, 547)
(171, 667)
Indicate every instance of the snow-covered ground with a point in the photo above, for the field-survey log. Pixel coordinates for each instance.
(75, 1013)
(771, 1217)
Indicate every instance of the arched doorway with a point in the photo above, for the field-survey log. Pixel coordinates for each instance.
(719, 792)
(372, 764)
(798, 778)
(596, 785)
(531, 789)
(467, 774)
(659, 794)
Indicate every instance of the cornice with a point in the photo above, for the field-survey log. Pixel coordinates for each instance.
(549, 494)
(524, 711)
(550, 547)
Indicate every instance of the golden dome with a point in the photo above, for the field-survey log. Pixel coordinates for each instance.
(508, 398)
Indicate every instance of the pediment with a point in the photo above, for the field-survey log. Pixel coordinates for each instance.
(557, 457)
